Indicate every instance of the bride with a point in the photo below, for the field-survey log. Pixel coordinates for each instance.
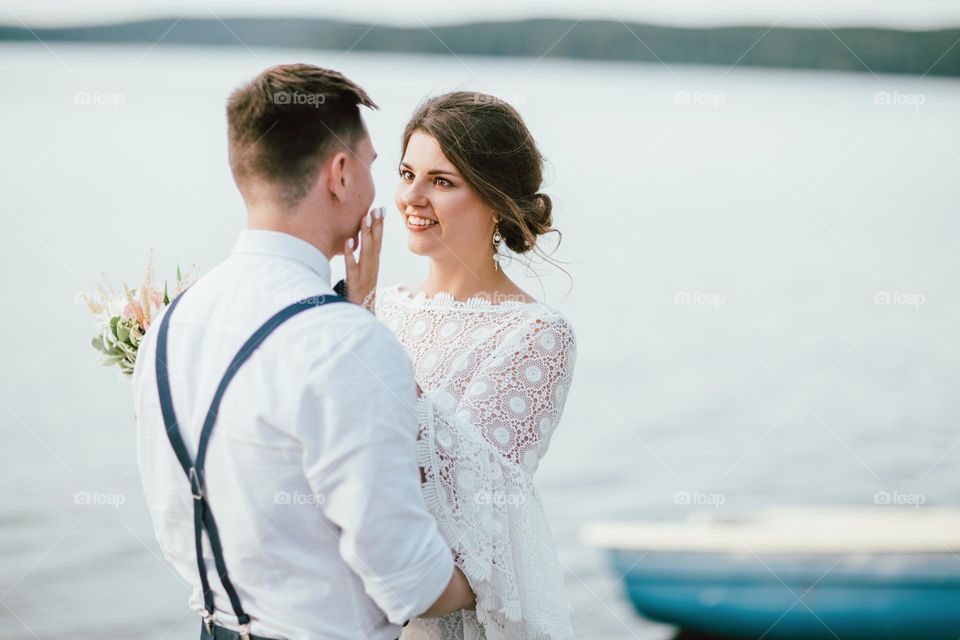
(494, 365)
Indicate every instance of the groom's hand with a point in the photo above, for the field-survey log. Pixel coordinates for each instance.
(362, 273)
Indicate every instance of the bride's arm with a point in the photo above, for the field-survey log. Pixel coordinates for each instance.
(457, 595)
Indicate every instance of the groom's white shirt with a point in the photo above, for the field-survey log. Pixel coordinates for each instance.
(311, 471)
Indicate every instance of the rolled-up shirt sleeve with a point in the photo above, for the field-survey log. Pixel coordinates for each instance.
(361, 458)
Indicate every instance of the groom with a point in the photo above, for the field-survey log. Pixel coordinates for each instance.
(282, 436)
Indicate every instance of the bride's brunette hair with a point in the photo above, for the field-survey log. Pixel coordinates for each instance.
(489, 144)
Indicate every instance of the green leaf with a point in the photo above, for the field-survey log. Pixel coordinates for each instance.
(98, 344)
(123, 333)
(166, 296)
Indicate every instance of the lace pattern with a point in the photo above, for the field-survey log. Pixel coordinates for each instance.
(495, 378)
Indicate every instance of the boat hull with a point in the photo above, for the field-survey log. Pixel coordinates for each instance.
(797, 596)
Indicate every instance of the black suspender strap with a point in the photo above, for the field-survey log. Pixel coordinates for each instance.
(202, 515)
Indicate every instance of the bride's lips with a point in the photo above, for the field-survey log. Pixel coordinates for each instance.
(418, 228)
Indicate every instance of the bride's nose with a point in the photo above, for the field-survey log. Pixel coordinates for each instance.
(413, 195)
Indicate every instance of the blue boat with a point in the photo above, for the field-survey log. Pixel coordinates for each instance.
(884, 573)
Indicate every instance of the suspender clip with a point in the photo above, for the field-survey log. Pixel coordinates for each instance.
(196, 486)
(208, 621)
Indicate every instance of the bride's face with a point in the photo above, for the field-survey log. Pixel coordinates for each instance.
(442, 213)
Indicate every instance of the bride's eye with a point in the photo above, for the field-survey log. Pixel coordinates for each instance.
(442, 182)
(406, 175)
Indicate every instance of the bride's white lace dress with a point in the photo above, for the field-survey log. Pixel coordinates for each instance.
(494, 380)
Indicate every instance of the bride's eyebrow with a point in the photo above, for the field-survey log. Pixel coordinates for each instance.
(432, 172)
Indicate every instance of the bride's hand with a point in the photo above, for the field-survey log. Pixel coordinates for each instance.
(362, 273)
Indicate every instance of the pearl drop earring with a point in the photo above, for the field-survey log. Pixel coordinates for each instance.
(497, 239)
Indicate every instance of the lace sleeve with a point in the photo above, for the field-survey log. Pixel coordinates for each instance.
(370, 302)
(478, 459)
(517, 395)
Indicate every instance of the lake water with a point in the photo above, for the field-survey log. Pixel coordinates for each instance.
(732, 237)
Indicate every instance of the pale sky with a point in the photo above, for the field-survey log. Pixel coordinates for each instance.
(914, 14)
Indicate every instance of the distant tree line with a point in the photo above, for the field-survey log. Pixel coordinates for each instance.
(848, 49)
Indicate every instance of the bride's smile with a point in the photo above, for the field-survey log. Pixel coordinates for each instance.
(418, 223)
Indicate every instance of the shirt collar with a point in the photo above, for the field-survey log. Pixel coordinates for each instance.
(283, 245)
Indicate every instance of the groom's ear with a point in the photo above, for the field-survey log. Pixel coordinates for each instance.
(336, 174)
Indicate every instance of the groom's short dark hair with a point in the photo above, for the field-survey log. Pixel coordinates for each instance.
(286, 121)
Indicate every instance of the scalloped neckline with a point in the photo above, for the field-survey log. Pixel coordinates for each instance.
(444, 299)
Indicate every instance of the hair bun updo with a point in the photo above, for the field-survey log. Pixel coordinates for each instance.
(537, 216)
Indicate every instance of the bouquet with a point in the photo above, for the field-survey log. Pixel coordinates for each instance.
(121, 320)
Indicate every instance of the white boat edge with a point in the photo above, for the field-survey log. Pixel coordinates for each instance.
(826, 530)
